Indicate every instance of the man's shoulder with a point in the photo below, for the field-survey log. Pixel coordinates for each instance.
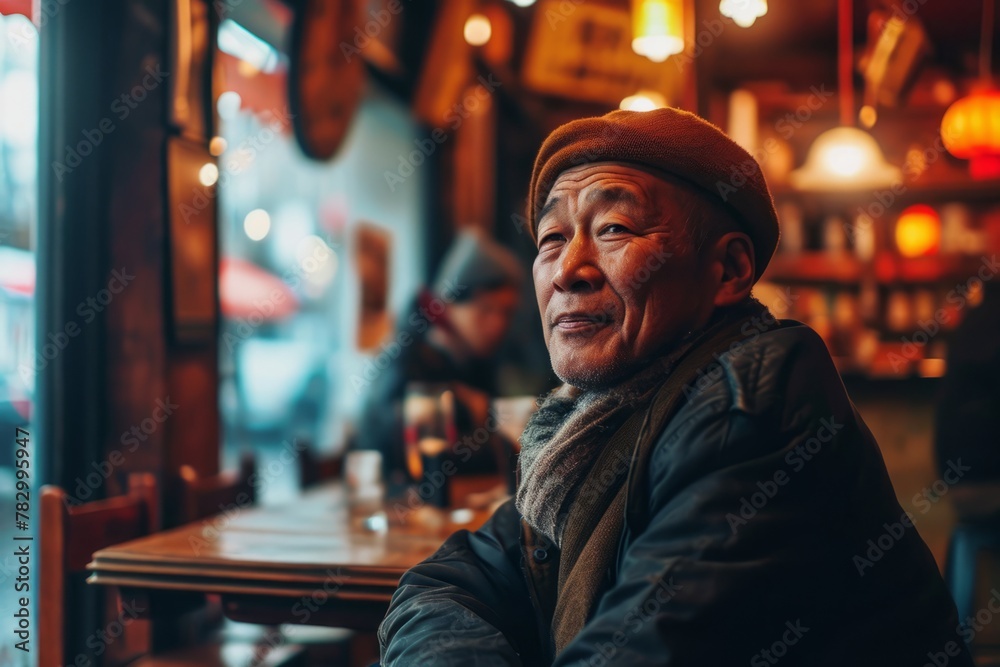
(748, 406)
(768, 381)
(762, 367)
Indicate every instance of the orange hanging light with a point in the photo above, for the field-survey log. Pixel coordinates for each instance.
(845, 157)
(970, 128)
(657, 28)
(918, 231)
(744, 13)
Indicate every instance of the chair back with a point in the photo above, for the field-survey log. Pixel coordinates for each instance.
(70, 534)
(315, 469)
(203, 497)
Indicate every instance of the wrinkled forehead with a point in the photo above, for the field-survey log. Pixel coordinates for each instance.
(637, 189)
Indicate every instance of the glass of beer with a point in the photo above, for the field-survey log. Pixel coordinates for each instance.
(429, 428)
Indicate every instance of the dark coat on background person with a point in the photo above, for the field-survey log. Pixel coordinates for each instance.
(771, 535)
(380, 425)
(474, 264)
(967, 423)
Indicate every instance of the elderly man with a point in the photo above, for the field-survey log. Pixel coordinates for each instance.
(700, 490)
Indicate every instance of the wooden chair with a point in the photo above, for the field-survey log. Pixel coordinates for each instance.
(202, 497)
(70, 534)
(315, 468)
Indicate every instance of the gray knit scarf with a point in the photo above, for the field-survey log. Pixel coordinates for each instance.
(563, 437)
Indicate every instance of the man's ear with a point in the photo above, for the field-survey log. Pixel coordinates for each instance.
(733, 260)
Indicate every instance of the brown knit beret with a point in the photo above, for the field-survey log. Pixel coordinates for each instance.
(671, 140)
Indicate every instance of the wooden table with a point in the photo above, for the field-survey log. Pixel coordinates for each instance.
(312, 561)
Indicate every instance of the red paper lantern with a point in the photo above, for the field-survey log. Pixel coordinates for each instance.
(970, 130)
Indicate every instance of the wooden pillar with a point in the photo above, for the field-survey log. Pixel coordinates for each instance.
(116, 390)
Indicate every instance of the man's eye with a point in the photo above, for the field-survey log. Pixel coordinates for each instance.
(549, 238)
(614, 228)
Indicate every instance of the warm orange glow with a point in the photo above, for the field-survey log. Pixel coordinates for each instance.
(970, 130)
(644, 100)
(844, 158)
(414, 464)
(478, 29)
(918, 231)
(657, 28)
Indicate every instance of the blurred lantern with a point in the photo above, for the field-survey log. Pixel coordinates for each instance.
(970, 130)
(868, 115)
(644, 100)
(918, 231)
(478, 30)
(217, 146)
(208, 175)
(657, 28)
(845, 158)
(257, 224)
(743, 12)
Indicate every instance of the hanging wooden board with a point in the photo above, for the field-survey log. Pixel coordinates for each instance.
(583, 51)
(324, 82)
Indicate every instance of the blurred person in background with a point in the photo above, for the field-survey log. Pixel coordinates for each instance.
(967, 440)
(450, 334)
(967, 423)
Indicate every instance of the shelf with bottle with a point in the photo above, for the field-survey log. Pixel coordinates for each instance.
(843, 244)
(876, 328)
(952, 187)
(883, 277)
(820, 267)
(847, 270)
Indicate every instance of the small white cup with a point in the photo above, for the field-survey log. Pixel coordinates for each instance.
(363, 469)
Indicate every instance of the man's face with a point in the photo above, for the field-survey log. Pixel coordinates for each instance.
(616, 275)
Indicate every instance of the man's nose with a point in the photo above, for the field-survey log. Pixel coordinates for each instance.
(578, 270)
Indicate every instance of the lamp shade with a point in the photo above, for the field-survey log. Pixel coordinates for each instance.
(657, 28)
(845, 158)
(970, 130)
(644, 100)
(744, 13)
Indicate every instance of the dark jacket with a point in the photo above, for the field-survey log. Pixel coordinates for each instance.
(967, 424)
(409, 357)
(773, 537)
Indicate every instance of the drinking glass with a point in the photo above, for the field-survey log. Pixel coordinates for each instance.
(429, 427)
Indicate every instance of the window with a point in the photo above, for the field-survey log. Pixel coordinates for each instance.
(289, 228)
(18, 226)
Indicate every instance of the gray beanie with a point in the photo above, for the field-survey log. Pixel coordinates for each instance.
(476, 263)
